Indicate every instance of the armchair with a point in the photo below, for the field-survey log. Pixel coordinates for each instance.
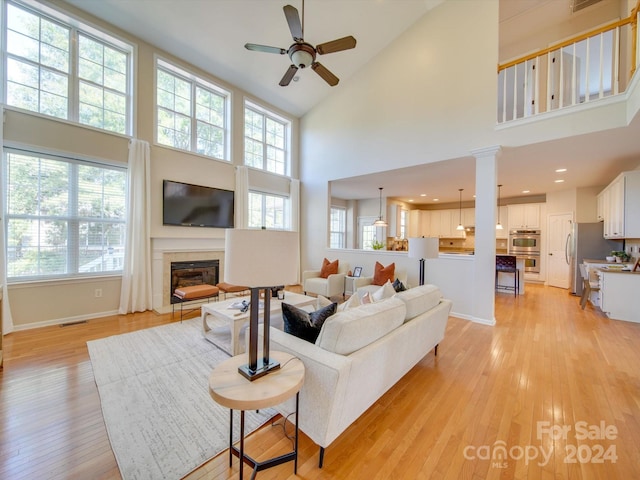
(328, 287)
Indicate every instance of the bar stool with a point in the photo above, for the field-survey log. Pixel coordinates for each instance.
(507, 264)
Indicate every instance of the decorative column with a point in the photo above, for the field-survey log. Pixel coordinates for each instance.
(485, 237)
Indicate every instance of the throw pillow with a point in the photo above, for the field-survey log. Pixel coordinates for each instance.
(398, 286)
(383, 274)
(328, 268)
(366, 298)
(353, 302)
(386, 291)
(303, 324)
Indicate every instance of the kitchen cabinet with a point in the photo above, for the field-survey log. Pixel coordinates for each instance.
(618, 290)
(600, 207)
(524, 215)
(618, 201)
(440, 223)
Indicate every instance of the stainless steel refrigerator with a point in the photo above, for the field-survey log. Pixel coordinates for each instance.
(587, 241)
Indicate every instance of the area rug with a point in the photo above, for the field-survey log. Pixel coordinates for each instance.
(153, 386)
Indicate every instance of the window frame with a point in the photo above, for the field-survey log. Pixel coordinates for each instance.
(72, 220)
(341, 233)
(286, 210)
(76, 29)
(195, 82)
(267, 114)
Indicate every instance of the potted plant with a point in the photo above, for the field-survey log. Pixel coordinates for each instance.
(376, 245)
(621, 256)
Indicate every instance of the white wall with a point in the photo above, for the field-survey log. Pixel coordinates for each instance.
(430, 96)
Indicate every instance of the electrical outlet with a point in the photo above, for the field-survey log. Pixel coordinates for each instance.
(98, 292)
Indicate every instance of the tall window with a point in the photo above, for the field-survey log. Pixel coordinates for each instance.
(64, 217)
(192, 114)
(404, 215)
(266, 140)
(338, 227)
(269, 211)
(59, 68)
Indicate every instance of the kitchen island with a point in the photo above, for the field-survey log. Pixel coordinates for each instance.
(617, 293)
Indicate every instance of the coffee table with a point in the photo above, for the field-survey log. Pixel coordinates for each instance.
(219, 314)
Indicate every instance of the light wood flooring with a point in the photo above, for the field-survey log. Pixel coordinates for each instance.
(547, 367)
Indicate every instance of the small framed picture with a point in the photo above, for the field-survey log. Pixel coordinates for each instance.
(357, 271)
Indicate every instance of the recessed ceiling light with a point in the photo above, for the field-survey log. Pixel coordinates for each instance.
(561, 170)
(526, 191)
(411, 200)
(436, 199)
(423, 194)
(559, 181)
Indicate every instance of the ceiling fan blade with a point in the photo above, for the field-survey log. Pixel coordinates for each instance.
(326, 75)
(293, 19)
(289, 74)
(264, 48)
(338, 45)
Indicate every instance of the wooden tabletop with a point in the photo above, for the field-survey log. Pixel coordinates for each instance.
(230, 389)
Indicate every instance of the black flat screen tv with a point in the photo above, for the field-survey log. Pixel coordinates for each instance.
(189, 205)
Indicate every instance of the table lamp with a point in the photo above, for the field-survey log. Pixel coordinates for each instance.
(260, 259)
(422, 248)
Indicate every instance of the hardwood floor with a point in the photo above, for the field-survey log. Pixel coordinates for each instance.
(547, 367)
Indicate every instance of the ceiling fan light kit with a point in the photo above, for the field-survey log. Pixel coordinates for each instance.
(303, 54)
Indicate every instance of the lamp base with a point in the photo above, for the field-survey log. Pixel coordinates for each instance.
(261, 369)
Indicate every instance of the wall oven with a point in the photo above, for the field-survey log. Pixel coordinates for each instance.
(524, 242)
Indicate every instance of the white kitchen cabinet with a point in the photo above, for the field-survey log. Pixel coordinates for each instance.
(425, 223)
(620, 200)
(524, 215)
(469, 217)
(600, 207)
(457, 217)
(617, 295)
(414, 224)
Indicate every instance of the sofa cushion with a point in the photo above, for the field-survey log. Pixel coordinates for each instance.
(350, 330)
(419, 299)
(382, 274)
(303, 324)
(353, 302)
(328, 268)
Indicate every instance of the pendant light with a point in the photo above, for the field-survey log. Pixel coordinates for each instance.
(460, 226)
(380, 222)
(499, 225)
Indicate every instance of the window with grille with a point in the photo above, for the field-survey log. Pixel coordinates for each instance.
(64, 217)
(338, 227)
(67, 70)
(269, 211)
(266, 140)
(192, 113)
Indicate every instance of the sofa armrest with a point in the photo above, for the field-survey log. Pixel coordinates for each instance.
(324, 390)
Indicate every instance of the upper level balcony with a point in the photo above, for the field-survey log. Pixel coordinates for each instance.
(596, 69)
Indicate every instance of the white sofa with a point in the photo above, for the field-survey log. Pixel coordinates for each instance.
(359, 355)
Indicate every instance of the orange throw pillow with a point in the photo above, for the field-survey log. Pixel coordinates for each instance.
(382, 275)
(328, 268)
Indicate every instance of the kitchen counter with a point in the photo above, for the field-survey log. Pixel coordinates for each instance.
(618, 289)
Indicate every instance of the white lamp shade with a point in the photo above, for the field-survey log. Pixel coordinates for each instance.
(424, 247)
(261, 258)
(301, 58)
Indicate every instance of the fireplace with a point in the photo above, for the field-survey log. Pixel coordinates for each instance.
(194, 272)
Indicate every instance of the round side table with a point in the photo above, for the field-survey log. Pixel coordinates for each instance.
(232, 390)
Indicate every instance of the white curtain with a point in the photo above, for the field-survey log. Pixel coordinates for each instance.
(294, 196)
(242, 196)
(7, 320)
(136, 293)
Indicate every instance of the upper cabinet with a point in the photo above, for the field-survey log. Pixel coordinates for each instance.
(617, 201)
(524, 215)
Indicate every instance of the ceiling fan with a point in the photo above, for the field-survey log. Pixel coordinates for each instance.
(303, 54)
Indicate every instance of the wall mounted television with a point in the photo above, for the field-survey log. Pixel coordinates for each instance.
(189, 205)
